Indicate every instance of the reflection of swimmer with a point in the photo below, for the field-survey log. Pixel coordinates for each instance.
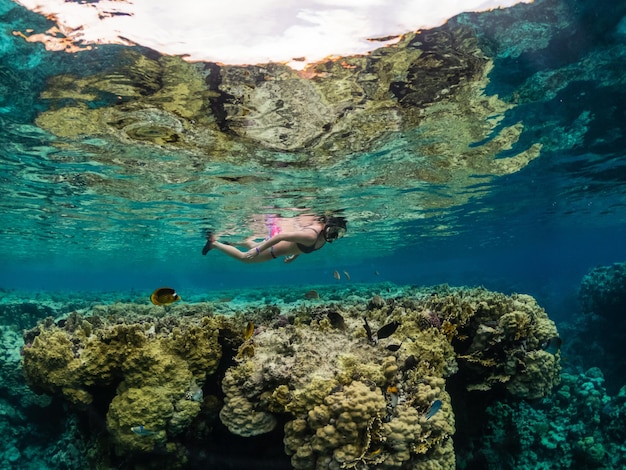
(272, 224)
(289, 244)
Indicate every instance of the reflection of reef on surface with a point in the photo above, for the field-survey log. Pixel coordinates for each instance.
(346, 395)
(421, 101)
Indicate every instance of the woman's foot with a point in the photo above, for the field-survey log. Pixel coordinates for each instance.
(209, 243)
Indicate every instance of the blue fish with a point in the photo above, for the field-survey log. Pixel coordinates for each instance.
(142, 431)
(434, 407)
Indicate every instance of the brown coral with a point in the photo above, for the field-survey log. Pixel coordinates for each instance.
(348, 400)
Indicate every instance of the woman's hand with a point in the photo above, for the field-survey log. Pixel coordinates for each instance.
(252, 253)
(290, 258)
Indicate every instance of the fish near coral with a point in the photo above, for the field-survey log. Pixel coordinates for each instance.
(434, 407)
(393, 396)
(347, 274)
(142, 431)
(552, 345)
(387, 330)
(374, 453)
(336, 275)
(194, 393)
(336, 320)
(248, 331)
(164, 296)
(409, 363)
(312, 294)
(368, 331)
(392, 389)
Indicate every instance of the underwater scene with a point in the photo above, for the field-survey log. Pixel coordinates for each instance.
(410, 257)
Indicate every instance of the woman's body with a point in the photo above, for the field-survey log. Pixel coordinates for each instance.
(289, 244)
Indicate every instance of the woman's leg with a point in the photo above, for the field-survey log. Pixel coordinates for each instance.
(235, 253)
(249, 242)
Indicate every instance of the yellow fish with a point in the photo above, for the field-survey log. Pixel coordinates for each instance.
(336, 275)
(164, 296)
(249, 331)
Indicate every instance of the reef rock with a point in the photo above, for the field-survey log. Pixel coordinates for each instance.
(595, 337)
(369, 391)
(603, 292)
(151, 364)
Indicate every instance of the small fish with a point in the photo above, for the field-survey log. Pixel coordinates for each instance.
(393, 400)
(312, 294)
(194, 393)
(368, 330)
(392, 392)
(336, 275)
(393, 347)
(164, 296)
(336, 320)
(434, 407)
(374, 453)
(552, 345)
(410, 363)
(248, 331)
(347, 274)
(142, 431)
(387, 330)
(376, 273)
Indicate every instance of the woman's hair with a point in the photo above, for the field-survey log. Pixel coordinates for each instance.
(334, 221)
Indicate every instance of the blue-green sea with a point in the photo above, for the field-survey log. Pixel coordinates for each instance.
(490, 153)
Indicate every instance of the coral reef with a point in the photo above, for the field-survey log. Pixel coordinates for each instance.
(54, 442)
(593, 338)
(578, 426)
(603, 292)
(353, 403)
(152, 364)
(360, 383)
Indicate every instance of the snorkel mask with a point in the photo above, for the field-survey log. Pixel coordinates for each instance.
(334, 229)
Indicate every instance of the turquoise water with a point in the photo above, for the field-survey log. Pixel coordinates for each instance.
(105, 207)
(114, 162)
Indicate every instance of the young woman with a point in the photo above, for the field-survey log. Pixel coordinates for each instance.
(289, 244)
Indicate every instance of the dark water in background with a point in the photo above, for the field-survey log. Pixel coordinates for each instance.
(537, 230)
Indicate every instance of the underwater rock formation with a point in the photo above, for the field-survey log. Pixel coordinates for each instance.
(603, 292)
(155, 367)
(358, 383)
(594, 337)
(579, 426)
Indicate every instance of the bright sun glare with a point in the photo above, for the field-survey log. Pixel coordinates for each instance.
(245, 31)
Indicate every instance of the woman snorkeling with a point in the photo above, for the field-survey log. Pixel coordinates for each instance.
(290, 244)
